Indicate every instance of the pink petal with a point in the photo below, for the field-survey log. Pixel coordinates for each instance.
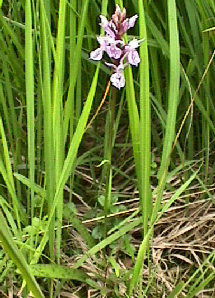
(133, 58)
(97, 54)
(113, 51)
(118, 10)
(133, 44)
(117, 79)
(124, 26)
(104, 21)
(123, 13)
(116, 17)
(106, 25)
(103, 41)
(131, 21)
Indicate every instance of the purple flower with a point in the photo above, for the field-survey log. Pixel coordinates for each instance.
(133, 58)
(98, 53)
(127, 24)
(132, 21)
(131, 52)
(112, 44)
(113, 50)
(121, 23)
(108, 27)
(118, 17)
(108, 45)
(117, 78)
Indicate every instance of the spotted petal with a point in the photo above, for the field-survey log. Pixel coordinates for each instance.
(118, 80)
(97, 54)
(132, 21)
(133, 58)
(106, 25)
(113, 51)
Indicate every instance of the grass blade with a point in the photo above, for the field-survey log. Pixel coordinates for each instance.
(54, 271)
(173, 96)
(145, 123)
(29, 73)
(70, 159)
(58, 115)
(17, 257)
(144, 244)
(48, 124)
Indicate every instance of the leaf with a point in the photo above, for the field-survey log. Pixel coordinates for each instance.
(16, 256)
(114, 264)
(177, 290)
(57, 271)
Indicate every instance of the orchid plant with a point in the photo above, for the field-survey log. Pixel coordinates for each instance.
(112, 43)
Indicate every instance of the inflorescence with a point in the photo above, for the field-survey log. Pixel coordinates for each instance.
(121, 54)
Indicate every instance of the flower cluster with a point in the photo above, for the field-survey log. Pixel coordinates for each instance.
(112, 44)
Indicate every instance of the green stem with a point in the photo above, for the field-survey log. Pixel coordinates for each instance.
(108, 156)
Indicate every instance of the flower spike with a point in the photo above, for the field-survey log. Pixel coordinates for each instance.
(120, 54)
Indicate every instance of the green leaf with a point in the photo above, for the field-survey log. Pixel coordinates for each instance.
(177, 290)
(114, 264)
(57, 271)
(16, 256)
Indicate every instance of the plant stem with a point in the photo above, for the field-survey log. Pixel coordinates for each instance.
(108, 155)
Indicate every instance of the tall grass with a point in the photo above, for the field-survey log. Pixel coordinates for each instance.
(70, 169)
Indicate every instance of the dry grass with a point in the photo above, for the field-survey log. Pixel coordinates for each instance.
(182, 240)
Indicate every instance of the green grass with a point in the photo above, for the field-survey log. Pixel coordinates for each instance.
(87, 205)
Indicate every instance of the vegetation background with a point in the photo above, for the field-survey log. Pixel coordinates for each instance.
(123, 207)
